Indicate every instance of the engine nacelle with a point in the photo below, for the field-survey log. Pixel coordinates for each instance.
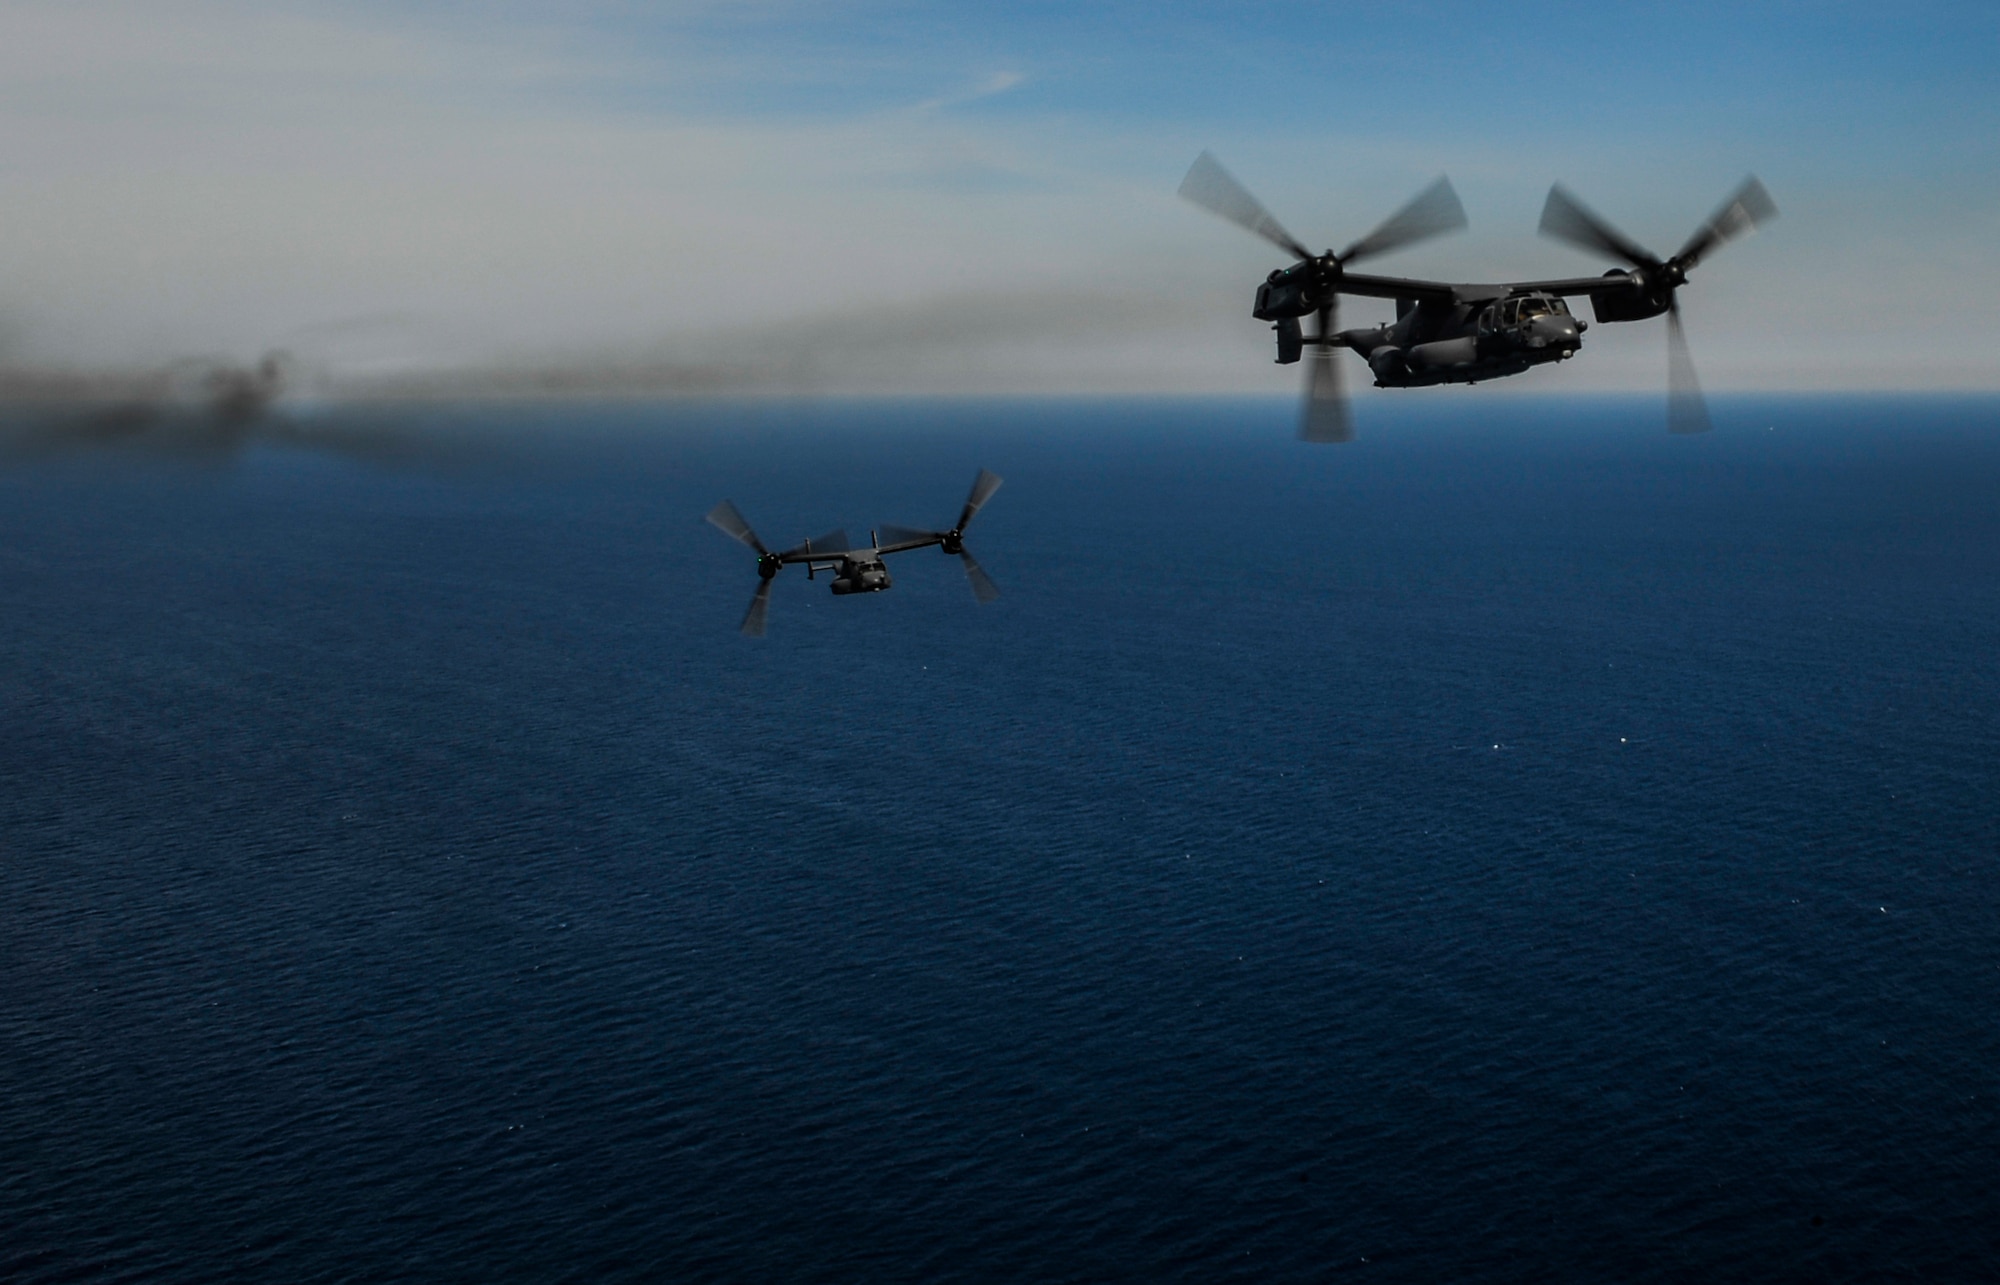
(1284, 293)
(1627, 303)
(1290, 342)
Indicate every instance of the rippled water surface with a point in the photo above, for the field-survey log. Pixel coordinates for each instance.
(1517, 846)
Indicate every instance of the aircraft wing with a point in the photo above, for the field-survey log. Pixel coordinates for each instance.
(1558, 285)
(827, 548)
(896, 539)
(1356, 283)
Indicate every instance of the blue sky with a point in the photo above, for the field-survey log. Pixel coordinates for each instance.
(903, 197)
(1410, 65)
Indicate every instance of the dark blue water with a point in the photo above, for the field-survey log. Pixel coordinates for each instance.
(1518, 846)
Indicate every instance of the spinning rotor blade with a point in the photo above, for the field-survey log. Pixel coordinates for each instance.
(1738, 216)
(731, 523)
(983, 587)
(1326, 415)
(1214, 189)
(1431, 212)
(1687, 410)
(760, 606)
(834, 541)
(983, 488)
(1567, 219)
(904, 535)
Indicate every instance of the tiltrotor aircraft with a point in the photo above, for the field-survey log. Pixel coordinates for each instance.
(857, 570)
(1458, 333)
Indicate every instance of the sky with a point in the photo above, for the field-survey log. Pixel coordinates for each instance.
(951, 198)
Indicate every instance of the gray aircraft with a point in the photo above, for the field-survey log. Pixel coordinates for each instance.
(1460, 333)
(857, 570)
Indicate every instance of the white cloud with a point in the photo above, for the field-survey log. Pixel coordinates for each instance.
(204, 176)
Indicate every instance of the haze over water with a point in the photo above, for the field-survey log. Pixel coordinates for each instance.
(1519, 845)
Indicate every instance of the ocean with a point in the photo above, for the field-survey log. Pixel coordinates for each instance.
(1517, 846)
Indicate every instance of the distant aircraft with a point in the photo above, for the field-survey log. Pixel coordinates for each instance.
(857, 570)
(198, 405)
(206, 411)
(237, 394)
(1457, 333)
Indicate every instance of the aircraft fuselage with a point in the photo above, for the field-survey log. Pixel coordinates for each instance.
(1460, 343)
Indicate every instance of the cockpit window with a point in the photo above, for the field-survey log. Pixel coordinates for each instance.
(1534, 307)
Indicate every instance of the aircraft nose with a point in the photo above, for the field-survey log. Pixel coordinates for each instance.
(1554, 332)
